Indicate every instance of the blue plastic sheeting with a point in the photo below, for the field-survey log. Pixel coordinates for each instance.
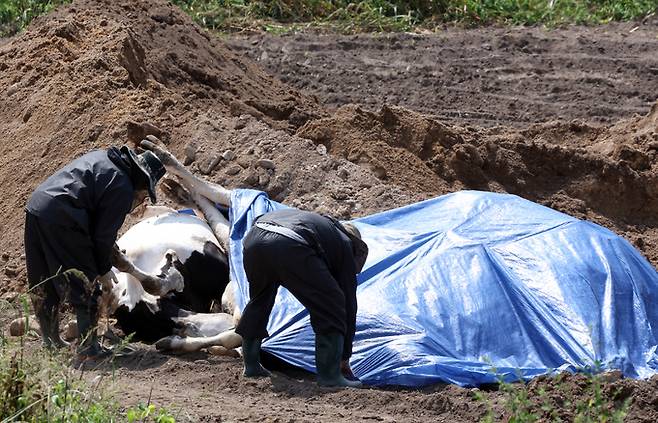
(472, 286)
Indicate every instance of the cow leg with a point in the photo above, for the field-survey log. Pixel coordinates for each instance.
(219, 350)
(169, 280)
(214, 192)
(229, 305)
(200, 330)
(204, 194)
(227, 339)
(216, 220)
(202, 324)
(184, 193)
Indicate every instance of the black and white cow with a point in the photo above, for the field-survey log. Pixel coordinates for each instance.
(177, 270)
(172, 267)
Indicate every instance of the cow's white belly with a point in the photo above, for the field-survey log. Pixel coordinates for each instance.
(146, 244)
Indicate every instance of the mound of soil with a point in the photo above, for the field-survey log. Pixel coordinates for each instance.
(100, 73)
(603, 174)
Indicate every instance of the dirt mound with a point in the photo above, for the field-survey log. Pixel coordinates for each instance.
(100, 73)
(396, 144)
(605, 174)
(81, 77)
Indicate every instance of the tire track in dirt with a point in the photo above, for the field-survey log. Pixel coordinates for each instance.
(488, 76)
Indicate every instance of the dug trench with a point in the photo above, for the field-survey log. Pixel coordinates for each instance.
(100, 73)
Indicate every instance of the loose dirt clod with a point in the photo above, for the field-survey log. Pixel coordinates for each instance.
(19, 326)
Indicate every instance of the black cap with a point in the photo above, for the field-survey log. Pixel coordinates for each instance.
(149, 164)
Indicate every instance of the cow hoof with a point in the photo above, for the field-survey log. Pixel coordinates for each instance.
(219, 350)
(168, 343)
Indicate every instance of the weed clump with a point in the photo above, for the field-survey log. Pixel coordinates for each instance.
(554, 399)
(39, 385)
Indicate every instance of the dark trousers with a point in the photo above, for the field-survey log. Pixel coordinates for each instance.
(50, 248)
(272, 260)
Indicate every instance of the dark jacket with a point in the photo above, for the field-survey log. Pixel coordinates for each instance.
(320, 232)
(92, 194)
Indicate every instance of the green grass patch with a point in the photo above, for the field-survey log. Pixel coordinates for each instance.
(382, 16)
(17, 14)
(551, 13)
(280, 16)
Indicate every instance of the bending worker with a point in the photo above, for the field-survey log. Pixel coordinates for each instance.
(317, 259)
(71, 224)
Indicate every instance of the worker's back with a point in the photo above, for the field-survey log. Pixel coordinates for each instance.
(72, 194)
(319, 231)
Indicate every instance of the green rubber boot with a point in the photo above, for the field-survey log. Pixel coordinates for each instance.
(89, 347)
(251, 356)
(328, 352)
(47, 312)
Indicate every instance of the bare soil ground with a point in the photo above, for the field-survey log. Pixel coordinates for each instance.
(512, 76)
(352, 125)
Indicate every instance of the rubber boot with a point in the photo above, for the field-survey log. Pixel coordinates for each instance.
(89, 347)
(251, 356)
(328, 352)
(47, 313)
(54, 333)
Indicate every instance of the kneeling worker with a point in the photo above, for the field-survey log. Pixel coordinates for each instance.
(71, 224)
(317, 259)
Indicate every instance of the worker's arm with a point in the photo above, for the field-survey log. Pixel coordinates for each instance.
(110, 213)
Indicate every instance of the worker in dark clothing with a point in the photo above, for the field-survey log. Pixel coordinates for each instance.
(317, 259)
(71, 224)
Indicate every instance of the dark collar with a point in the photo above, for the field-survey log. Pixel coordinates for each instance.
(124, 163)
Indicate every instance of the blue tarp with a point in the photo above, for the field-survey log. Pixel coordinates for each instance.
(473, 286)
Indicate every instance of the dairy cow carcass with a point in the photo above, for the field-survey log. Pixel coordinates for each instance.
(178, 272)
(172, 267)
